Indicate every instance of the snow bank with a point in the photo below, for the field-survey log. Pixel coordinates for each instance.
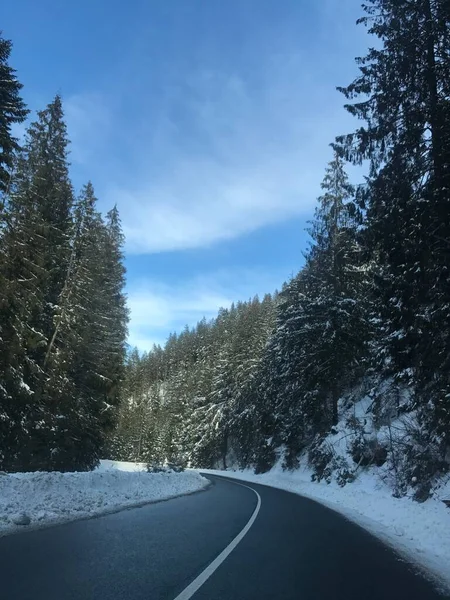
(420, 532)
(38, 499)
(120, 465)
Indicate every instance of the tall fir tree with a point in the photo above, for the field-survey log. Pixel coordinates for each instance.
(336, 315)
(402, 94)
(36, 247)
(90, 334)
(12, 111)
(63, 311)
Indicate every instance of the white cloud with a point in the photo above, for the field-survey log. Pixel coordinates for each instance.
(197, 156)
(255, 157)
(157, 308)
(205, 202)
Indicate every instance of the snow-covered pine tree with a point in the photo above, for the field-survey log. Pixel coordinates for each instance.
(287, 414)
(255, 326)
(192, 427)
(402, 94)
(320, 343)
(125, 442)
(212, 408)
(336, 308)
(89, 345)
(106, 319)
(36, 252)
(63, 312)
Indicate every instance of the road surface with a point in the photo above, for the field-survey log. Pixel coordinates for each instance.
(280, 546)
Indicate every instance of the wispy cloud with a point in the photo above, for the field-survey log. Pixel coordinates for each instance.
(157, 308)
(251, 157)
(201, 155)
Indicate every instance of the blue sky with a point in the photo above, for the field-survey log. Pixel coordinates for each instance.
(207, 121)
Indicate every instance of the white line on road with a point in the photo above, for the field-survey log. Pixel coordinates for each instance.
(190, 590)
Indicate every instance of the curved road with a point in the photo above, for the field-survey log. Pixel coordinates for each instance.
(293, 549)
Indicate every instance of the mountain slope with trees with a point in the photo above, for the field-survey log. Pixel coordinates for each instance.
(366, 317)
(365, 322)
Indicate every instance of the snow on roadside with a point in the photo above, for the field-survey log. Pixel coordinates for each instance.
(419, 532)
(39, 499)
(120, 465)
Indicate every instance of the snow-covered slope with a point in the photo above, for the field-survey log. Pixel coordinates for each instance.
(38, 499)
(421, 532)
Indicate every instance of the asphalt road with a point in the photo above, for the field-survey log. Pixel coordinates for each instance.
(295, 549)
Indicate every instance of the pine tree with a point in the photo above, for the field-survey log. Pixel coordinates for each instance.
(212, 403)
(320, 344)
(290, 412)
(403, 91)
(115, 321)
(63, 314)
(12, 110)
(125, 443)
(36, 251)
(75, 347)
(336, 304)
(98, 327)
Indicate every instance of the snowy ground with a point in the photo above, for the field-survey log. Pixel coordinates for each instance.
(39, 499)
(120, 465)
(420, 532)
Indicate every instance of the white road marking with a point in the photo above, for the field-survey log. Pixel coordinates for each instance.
(190, 590)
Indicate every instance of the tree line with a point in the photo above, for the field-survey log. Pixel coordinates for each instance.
(63, 316)
(369, 311)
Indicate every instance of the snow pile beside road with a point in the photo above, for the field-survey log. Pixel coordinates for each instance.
(120, 465)
(38, 499)
(420, 532)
